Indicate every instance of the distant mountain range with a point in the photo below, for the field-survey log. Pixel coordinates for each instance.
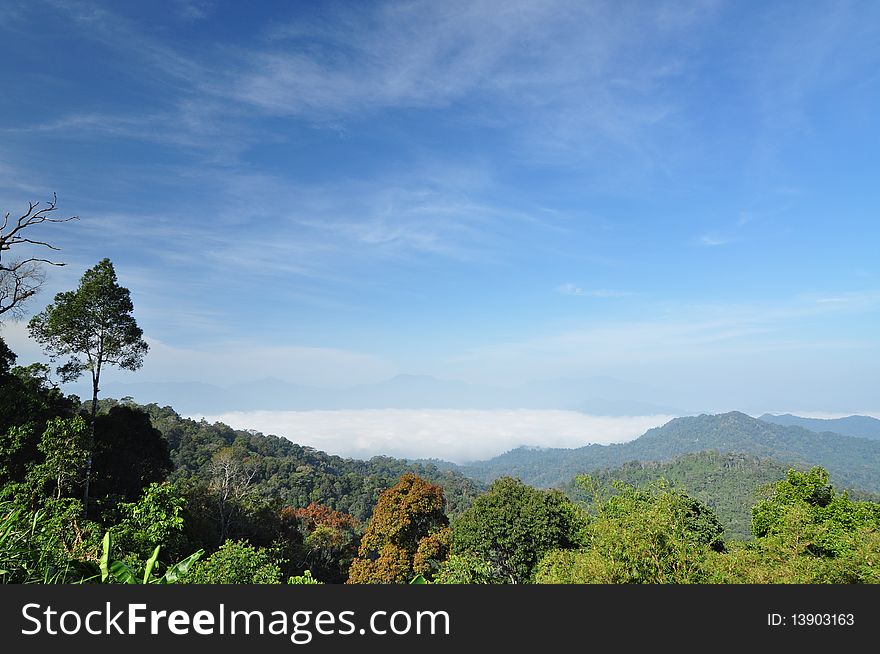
(594, 395)
(852, 462)
(858, 426)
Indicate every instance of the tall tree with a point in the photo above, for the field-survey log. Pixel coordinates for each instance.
(91, 327)
(21, 278)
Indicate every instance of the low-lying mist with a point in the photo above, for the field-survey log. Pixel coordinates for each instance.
(454, 435)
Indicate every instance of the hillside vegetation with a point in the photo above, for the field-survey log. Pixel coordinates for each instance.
(729, 483)
(292, 474)
(853, 462)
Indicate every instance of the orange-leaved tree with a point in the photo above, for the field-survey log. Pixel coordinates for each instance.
(407, 535)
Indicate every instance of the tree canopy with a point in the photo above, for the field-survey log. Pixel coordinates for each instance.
(513, 525)
(91, 327)
(408, 529)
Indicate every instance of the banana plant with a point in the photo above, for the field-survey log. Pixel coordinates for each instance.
(122, 573)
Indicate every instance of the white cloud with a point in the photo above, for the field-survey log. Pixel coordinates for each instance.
(712, 240)
(574, 289)
(571, 63)
(453, 435)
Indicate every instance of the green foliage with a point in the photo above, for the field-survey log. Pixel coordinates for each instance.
(22, 558)
(769, 561)
(466, 569)
(28, 403)
(728, 483)
(804, 512)
(7, 359)
(91, 326)
(294, 475)
(129, 455)
(513, 525)
(804, 533)
(236, 562)
(657, 535)
(305, 578)
(66, 537)
(13, 461)
(157, 517)
(63, 449)
(321, 539)
(120, 572)
(854, 462)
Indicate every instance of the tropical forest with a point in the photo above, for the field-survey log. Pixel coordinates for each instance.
(101, 490)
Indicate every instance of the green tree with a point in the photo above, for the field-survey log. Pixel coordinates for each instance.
(466, 569)
(320, 539)
(27, 403)
(652, 535)
(403, 526)
(129, 455)
(91, 327)
(236, 562)
(805, 533)
(7, 360)
(513, 525)
(63, 448)
(155, 519)
(804, 512)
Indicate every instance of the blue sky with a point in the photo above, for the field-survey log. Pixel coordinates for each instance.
(675, 193)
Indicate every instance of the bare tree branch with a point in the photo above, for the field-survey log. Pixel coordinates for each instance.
(21, 279)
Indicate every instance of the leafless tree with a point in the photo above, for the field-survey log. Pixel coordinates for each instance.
(21, 278)
(231, 478)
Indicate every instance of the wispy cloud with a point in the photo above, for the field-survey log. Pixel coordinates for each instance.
(571, 63)
(574, 289)
(712, 240)
(519, 60)
(193, 10)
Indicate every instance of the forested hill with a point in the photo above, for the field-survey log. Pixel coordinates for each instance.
(728, 483)
(291, 474)
(858, 426)
(853, 462)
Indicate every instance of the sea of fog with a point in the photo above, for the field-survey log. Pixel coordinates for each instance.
(454, 435)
